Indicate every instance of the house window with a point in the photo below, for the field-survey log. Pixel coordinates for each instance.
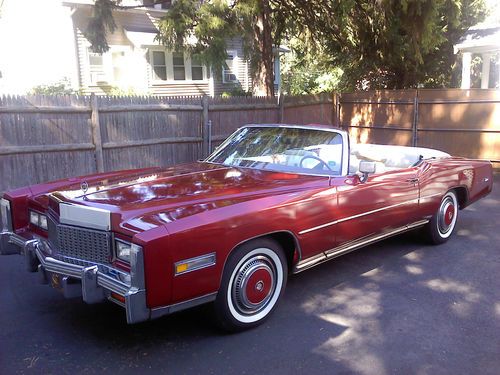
(230, 68)
(96, 68)
(110, 67)
(159, 66)
(119, 66)
(175, 66)
(196, 68)
(178, 63)
(158, 4)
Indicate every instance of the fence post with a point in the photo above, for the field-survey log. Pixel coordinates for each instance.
(204, 126)
(96, 133)
(281, 108)
(414, 138)
(337, 110)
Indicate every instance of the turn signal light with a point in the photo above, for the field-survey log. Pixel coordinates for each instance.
(118, 297)
(179, 268)
(194, 264)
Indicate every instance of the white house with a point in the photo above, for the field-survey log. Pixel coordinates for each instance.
(482, 40)
(42, 42)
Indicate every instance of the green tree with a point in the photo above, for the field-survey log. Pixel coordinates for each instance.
(307, 72)
(388, 43)
(373, 43)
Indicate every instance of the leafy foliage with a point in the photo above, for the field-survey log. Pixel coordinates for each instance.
(101, 23)
(307, 72)
(62, 87)
(388, 43)
(346, 44)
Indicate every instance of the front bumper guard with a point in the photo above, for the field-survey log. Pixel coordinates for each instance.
(97, 281)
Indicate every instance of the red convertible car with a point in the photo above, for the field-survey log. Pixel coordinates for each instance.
(270, 201)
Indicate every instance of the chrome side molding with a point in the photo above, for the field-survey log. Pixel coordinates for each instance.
(170, 309)
(354, 245)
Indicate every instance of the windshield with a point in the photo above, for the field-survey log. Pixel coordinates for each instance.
(282, 149)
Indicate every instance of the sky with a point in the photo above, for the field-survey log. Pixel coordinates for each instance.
(40, 49)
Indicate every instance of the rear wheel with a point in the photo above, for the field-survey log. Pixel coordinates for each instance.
(444, 220)
(254, 279)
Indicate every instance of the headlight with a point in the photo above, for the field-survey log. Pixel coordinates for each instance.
(34, 218)
(38, 220)
(123, 250)
(43, 222)
(5, 217)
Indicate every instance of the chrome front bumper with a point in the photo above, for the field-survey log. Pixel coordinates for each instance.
(93, 282)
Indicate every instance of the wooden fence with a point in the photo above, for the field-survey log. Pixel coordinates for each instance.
(460, 122)
(49, 137)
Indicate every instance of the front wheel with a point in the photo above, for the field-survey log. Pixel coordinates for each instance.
(444, 220)
(254, 279)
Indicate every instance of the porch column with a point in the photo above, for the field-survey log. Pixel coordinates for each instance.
(466, 60)
(485, 73)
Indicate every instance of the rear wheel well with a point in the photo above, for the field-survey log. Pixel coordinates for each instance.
(462, 196)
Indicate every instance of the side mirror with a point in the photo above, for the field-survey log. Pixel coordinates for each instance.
(366, 168)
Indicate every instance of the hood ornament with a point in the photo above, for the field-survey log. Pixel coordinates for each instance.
(84, 186)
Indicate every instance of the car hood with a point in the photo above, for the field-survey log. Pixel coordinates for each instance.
(144, 200)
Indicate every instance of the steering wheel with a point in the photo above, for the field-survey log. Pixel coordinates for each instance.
(322, 163)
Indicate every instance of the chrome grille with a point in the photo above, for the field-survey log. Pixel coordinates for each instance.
(81, 243)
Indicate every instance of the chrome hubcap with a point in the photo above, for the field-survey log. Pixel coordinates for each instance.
(446, 217)
(254, 285)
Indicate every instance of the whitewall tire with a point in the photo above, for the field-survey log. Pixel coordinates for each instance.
(253, 281)
(444, 220)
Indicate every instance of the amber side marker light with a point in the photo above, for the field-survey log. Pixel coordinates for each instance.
(118, 297)
(194, 264)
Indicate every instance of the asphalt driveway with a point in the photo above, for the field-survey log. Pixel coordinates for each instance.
(397, 307)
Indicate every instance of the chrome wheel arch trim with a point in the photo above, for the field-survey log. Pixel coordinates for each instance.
(268, 234)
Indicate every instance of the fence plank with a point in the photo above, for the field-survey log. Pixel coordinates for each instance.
(149, 142)
(16, 150)
(151, 107)
(205, 126)
(96, 134)
(44, 109)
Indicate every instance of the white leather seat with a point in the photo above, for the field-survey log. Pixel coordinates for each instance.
(391, 157)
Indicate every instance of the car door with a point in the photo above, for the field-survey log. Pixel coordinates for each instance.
(382, 203)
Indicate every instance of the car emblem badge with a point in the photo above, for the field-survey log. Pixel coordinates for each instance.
(84, 186)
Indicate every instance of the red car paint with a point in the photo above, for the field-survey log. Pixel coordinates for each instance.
(193, 209)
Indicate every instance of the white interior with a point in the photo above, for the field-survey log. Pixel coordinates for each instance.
(390, 157)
